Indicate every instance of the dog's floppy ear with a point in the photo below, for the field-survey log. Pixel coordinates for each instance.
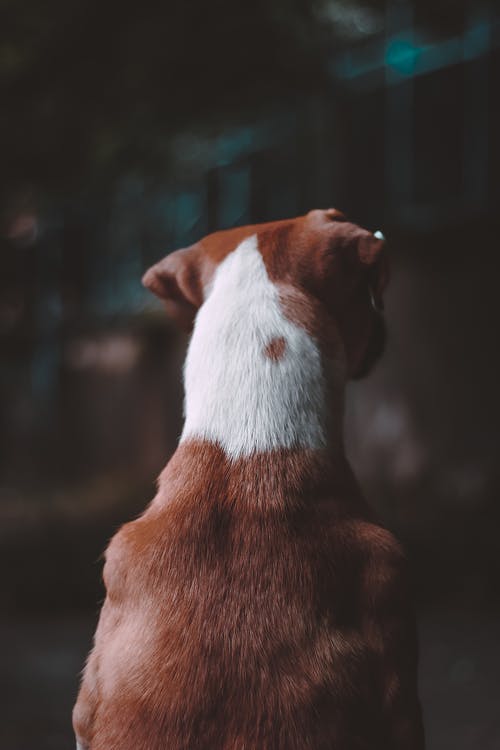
(370, 249)
(177, 281)
(380, 274)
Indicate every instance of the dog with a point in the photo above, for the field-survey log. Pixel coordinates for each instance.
(256, 604)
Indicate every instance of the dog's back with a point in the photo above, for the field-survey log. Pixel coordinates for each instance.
(254, 606)
(231, 627)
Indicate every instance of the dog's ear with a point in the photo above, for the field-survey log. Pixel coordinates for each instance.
(371, 255)
(369, 246)
(380, 274)
(177, 281)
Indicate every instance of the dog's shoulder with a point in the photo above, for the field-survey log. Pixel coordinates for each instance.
(385, 575)
(129, 552)
(367, 538)
(377, 542)
(378, 555)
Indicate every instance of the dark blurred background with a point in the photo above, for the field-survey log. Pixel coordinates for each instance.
(130, 129)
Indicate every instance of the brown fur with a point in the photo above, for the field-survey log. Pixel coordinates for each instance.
(320, 256)
(275, 349)
(256, 605)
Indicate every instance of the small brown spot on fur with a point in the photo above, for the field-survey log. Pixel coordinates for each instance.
(275, 348)
(309, 314)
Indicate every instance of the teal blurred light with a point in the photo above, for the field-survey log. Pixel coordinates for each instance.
(406, 57)
(477, 39)
(402, 56)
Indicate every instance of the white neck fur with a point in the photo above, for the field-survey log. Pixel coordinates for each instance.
(238, 397)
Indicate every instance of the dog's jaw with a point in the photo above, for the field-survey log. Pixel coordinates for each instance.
(239, 394)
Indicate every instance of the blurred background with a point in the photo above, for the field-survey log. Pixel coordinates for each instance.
(130, 129)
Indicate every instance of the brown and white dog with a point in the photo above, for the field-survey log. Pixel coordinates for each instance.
(255, 605)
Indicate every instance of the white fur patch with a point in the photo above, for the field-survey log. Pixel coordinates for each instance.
(236, 396)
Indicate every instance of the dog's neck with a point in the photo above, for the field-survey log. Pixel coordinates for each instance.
(255, 381)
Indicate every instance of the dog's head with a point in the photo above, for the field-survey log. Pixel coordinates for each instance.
(330, 275)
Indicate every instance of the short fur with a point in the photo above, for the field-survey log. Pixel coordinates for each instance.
(256, 605)
(266, 404)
